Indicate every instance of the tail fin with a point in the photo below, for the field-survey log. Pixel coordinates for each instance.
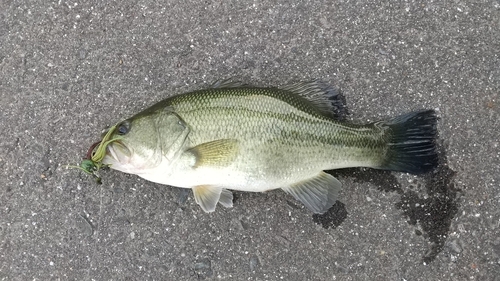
(411, 145)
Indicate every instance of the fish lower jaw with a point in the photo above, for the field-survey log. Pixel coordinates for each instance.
(123, 168)
(120, 166)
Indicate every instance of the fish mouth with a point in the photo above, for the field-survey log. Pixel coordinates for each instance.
(117, 151)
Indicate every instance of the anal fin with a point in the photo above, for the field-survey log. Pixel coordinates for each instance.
(318, 193)
(207, 197)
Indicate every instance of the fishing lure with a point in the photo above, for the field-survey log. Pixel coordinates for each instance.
(92, 163)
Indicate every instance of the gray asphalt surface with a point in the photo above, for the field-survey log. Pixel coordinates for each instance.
(69, 69)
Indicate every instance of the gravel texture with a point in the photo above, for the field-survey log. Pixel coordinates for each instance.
(70, 69)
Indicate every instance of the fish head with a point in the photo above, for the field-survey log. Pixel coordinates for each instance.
(145, 141)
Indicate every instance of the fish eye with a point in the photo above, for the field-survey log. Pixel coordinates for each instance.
(123, 128)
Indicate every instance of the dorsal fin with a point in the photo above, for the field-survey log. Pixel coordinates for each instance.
(327, 99)
(228, 83)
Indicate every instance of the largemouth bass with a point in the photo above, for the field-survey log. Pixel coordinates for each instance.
(237, 137)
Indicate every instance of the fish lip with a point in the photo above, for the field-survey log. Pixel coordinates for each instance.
(125, 153)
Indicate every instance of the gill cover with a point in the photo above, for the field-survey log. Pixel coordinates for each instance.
(172, 134)
(146, 140)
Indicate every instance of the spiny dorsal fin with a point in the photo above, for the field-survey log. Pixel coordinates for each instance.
(318, 194)
(327, 99)
(228, 83)
(207, 197)
(218, 153)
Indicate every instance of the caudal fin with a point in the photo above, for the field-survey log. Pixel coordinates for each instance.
(412, 143)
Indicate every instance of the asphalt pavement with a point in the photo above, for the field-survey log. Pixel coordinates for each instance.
(70, 69)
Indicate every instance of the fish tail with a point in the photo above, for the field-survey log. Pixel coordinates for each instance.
(411, 146)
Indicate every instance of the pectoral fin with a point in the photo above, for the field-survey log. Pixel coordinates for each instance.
(318, 194)
(207, 197)
(215, 153)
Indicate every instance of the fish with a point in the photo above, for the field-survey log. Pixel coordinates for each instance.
(233, 136)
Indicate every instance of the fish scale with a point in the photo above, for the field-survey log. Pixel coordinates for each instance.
(282, 119)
